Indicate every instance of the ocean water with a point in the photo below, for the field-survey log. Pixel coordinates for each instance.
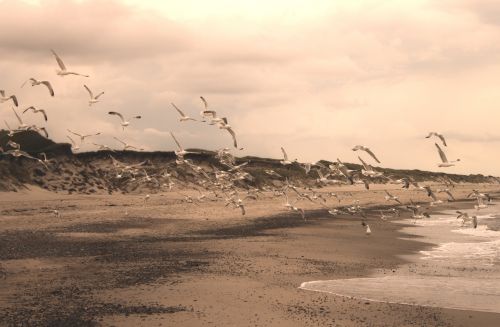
(462, 271)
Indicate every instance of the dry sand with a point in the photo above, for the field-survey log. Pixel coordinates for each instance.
(115, 261)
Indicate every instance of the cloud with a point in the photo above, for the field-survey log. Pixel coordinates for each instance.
(315, 78)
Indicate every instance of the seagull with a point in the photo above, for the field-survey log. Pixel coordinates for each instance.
(367, 150)
(35, 82)
(181, 152)
(45, 160)
(206, 112)
(344, 171)
(368, 169)
(74, 147)
(445, 162)
(103, 147)
(19, 153)
(63, 71)
(38, 130)
(285, 161)
(93, 99)
(124, 123)
(83, 137)
(11, 131)
(447, 191)
(224, 125)
(183, 116)
(368, 230)
(389, 197)
(126, 145)
(465, 217)
(4, 98)
(35, 110)
(437, 135)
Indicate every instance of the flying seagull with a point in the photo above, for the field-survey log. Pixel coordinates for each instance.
(183, 116)
(124, 123)
(83, 137)
(74, 146)
(367, 150)
(35, 110)
(63, 71)
(93, 99)
(224, 125)
(35, 82)
(127, 146)
(4, 98)
(445, 162)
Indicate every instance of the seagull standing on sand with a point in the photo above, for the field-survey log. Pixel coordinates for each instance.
(4, 98)
(124, 123)
(35, 110)
(441, 137)
(35, 82)
(63, 71)
(183, 116)
(367, 150)
(444, 160)
(93, 99)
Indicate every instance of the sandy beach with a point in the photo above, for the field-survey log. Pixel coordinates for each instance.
(116, 261)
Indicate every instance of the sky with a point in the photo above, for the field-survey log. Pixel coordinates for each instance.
(316, 77)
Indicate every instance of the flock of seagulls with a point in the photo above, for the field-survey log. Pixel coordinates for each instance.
(231, 183)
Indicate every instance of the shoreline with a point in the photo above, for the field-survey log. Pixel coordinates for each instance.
(135, 270)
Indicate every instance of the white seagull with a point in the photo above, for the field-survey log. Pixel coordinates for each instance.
(224, 125)
(35, 82)
(441, 137)
(124, 123)
(183, 116)
(4, 98)
(367, 150)
(81, 136)
(93, 99)
(74, 146)
(63, 71)
(286, 161)
(35, 110)
(126, 145)
(445, 162)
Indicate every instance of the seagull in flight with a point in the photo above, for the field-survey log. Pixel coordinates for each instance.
(445, 162)
(81, 136)
(441, 137)
(4, 98)
(93, 99)
(103, 147)
(286, 161)
(367, 150)
(183, 116)
(35, 82)
(74, 146)
(224, 125)
(124, 123)
(127, 146)
(63, 71)
(35, 110)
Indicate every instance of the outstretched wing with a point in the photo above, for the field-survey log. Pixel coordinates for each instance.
(285, 156)
(372, 154)
(119, 140)
(88, 90)
(18, 118)
(441, 153)
(117, 114)
(205, 103)
(59, 61)
(178, 110)
(234, 137)
(49, 86)
(176, 142)
(442, 139)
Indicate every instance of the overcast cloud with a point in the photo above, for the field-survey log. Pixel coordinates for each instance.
(314, 77)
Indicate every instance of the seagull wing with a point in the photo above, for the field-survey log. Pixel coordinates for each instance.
(74, 133)
(43, 113)
(119, 140)
(441, 153)
(442, 139)
(178, 110)
(18, 118)
(117, 114)
(364, 164)
(205, 103)
(88, 90)
(176, 142)
(59, 61)
(14, 99)
(234, 137)
(285, 156)
(372, 154)
(49, 86)
(72, 142)
(97, 96)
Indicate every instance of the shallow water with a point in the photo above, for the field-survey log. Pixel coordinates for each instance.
(461, 272)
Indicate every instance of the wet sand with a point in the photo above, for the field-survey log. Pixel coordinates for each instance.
(113, 261)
